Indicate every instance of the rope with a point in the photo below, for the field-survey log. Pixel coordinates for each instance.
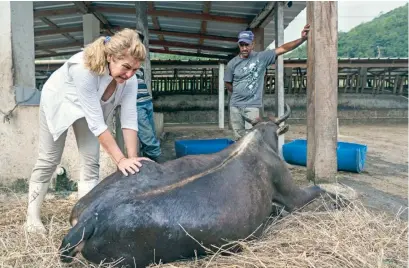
(7, 116)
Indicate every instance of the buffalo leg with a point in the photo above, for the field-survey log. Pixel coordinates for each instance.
(292, 197)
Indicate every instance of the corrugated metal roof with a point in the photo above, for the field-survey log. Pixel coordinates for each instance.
(187, 6)
(175, 26)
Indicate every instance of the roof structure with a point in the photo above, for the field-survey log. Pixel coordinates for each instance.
(192, 28)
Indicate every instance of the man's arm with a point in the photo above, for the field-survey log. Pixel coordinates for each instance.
(293, 44)
(228, 77)
(289, 46)
(229, 86)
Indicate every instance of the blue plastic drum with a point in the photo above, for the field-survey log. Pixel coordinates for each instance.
(206, 146)
(350, 156)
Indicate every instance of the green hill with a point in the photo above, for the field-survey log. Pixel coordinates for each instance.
(384, 36)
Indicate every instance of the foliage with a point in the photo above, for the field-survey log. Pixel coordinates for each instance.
(384, 36)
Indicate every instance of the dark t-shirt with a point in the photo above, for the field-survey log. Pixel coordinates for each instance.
(247, 77)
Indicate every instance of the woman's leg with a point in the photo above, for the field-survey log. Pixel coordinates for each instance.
(89, 149)
(49, 156)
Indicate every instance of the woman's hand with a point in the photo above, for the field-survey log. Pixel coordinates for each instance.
(130, 165)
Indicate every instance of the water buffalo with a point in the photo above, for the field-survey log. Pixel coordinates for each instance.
(154, 214)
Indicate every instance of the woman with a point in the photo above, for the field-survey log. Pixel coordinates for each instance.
(83, 93)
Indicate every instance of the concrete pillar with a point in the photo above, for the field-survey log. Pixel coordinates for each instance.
(91, 28)
(221, 95)
(322, 91)
(17, 55)
(279, 70)
(142, 26)
(17, 72)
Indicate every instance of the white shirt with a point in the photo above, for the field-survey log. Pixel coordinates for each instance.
(73, 92)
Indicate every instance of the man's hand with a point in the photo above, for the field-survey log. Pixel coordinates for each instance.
(229, 86)
(304, 32)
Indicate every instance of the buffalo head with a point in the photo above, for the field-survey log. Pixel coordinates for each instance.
(271, 127)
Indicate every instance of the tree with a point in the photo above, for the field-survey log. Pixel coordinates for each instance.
(384, 36)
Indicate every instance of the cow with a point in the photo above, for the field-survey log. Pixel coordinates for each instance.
(175, 210)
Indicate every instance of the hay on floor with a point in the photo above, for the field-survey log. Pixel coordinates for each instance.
(349, 237)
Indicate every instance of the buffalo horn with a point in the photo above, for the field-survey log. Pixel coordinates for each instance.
(285, 115)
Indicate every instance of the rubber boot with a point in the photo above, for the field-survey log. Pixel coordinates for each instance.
(85, 187)
(36, 194)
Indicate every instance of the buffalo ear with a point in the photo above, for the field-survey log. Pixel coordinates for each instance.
(282, 130)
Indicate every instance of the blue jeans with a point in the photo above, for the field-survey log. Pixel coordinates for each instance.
(149, 144)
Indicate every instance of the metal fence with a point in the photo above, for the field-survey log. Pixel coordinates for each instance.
(350, 80)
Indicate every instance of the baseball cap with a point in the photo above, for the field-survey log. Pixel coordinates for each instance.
(246, 37)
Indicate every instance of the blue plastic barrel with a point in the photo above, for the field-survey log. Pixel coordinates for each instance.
(203, 146)
(350, 156)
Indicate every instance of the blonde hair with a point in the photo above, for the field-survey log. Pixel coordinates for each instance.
(123, 43)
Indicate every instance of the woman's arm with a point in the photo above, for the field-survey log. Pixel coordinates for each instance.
(131, 142)
(109, 144)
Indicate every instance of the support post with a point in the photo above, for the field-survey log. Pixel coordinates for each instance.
(19, 131)
(258, 39)
(91, 28)
(17, 61)
(221, 95)
(322, 97)
(279, 70)
(142, 26)
(259, 46)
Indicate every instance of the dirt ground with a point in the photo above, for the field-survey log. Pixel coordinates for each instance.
(383, 185)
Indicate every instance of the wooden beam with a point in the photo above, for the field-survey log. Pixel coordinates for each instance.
(84, 8)
(53, 25)
(81, 6)
(195, 35)
(151, 50)
(322, 91)
(55, 55)
(58, 31)
(56, 12)
(191, 46)
(155, 21)
(60, 45)
(264, 17)
(203, 27)
(141, 9)
(174, 14)
(154, 31)
(151, 42)
(173, 52)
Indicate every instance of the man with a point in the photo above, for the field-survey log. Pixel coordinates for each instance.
(244, 78)
(149, 144)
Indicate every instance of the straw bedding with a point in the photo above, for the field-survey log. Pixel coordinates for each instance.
(351, 236)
